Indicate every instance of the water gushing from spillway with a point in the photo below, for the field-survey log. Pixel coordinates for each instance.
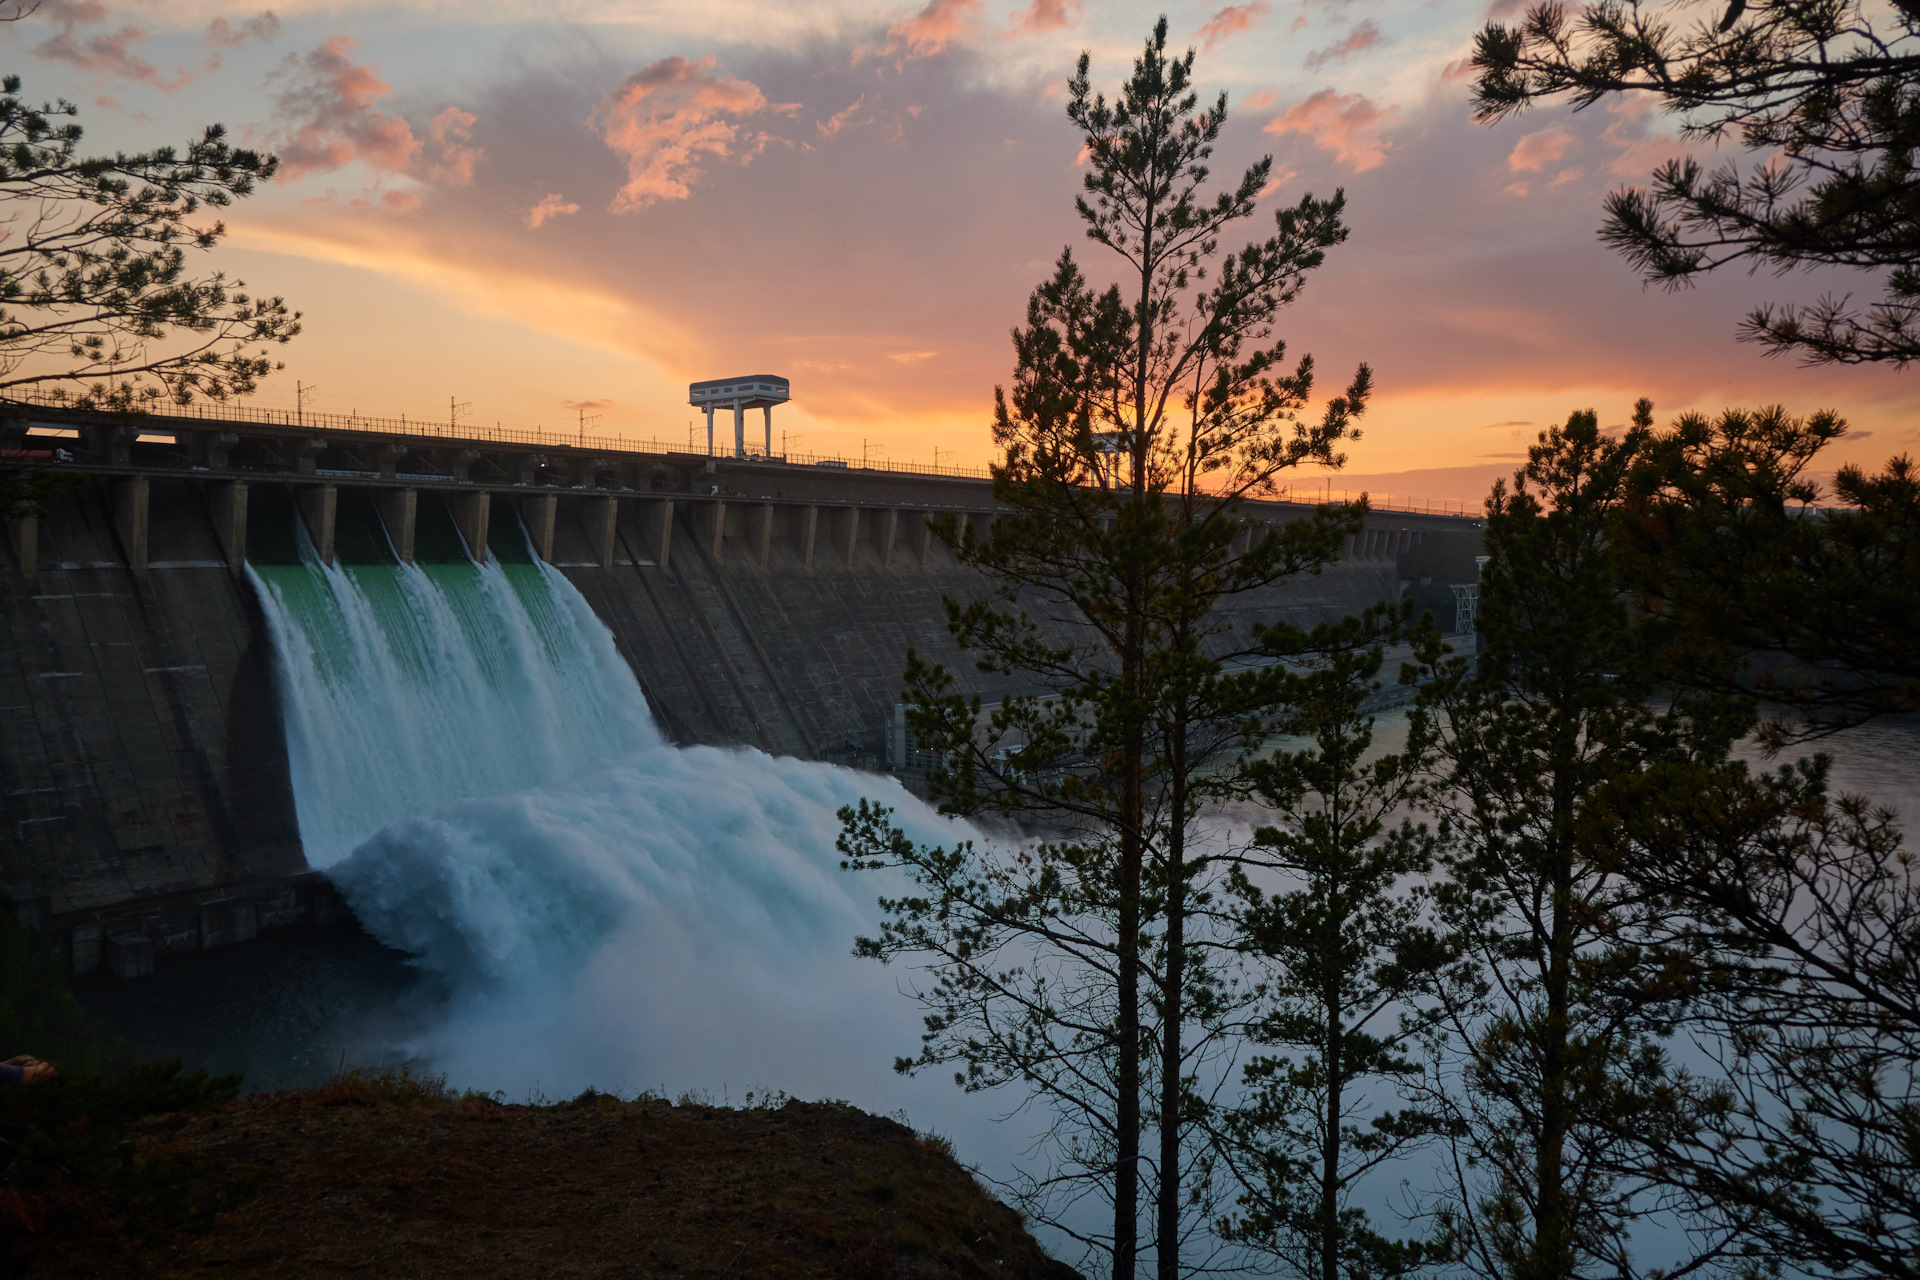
(407, 687)
(475, 767)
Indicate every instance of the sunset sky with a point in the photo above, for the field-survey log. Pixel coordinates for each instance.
(539, 207)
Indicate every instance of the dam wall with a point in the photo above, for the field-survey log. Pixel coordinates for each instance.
(146, 804)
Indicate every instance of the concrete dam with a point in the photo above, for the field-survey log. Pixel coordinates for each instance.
(237, 648)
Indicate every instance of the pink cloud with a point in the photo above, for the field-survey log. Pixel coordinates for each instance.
(1231, 21)
(1363, 37)
(1458, 69)
(552, 205)
(1537, 150)
(1043, 16)
(1346, 124)
(105, 54)
(842, 119)
(1641, 149)
(223, 35)
(666, 118)
(1260, 101)
(928, 32)
(328, 117)
(450, 131)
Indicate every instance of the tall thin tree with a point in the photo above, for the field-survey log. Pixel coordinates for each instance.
(1141, 420)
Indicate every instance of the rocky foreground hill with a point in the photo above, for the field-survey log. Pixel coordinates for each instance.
(377, 1176)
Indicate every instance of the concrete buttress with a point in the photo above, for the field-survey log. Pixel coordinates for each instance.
(398, 511)
(710, 526)
(318, 505)
(602, 520)
(806, 521)
(539, 512)
(884, 528)
(470, 512)
(130, 519)
(846, 531)
(26, 543)
(760, 533)
(230, 522)
(660, 530)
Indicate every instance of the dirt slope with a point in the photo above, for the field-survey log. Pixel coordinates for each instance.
(384, 1178)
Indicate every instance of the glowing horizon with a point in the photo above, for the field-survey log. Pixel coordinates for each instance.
(549, 213)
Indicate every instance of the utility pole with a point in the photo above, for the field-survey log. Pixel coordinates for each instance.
(584, 420)
(455, 408)
(301, 390)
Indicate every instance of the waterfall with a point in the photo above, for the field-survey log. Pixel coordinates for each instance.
(476, 770)
(406, 687)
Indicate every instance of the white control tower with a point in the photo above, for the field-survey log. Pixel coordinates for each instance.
(752, 391)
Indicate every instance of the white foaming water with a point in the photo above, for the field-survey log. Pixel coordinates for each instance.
(406, 687)
(476, 768)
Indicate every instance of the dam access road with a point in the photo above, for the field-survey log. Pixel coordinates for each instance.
(145, 801)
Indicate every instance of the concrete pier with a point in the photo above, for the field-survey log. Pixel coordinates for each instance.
(229, 505)
(130, 511)
(320, 507)
(846, 532)
(710, 526)
(760, 533)
(806, 523)
(602, 520)
(399, 512)
(539, 513)
(25, 533)
(470, 513)
(658, 531)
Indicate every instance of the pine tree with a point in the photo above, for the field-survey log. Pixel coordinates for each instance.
(1142, 418)
(1542, 1069)
(1330, 906)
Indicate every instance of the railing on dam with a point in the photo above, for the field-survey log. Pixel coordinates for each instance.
(1303, 492)
(367, 424)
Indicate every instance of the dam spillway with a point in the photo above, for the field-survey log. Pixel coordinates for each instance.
(145, 780)
(407, 686)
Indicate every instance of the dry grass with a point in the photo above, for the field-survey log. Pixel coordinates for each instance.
(387, 1175)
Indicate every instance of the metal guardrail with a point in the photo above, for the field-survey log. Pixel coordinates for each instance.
(223, 411)
(308, 419)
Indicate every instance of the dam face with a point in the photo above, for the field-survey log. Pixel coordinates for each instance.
(167, 784)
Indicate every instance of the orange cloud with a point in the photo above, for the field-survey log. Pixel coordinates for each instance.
(929, 31)
(329, 120)
(841, 119)
(1346, 124)
(552, 205)
(1363, 37)
(1043, 16)
(666, 118)
(451, 130)
(1231, 21)
(1537, 150)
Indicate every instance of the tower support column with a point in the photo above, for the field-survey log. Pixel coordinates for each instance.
(767, 409)
(709, 431)
(739, 431)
